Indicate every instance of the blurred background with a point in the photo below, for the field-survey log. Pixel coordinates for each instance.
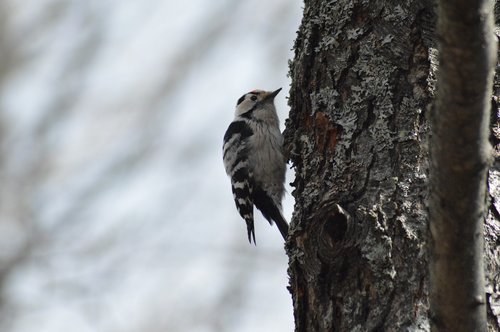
(115, 210)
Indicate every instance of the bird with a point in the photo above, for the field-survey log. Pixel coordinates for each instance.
(254, 160)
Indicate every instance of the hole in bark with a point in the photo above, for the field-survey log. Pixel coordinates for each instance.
(335, 227)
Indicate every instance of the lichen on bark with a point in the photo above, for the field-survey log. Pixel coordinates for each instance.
(363, 79)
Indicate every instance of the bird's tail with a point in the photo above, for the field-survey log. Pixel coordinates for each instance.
(270, 210)
(250, 230)
(282, 224)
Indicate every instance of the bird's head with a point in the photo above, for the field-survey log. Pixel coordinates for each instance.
(255, 102)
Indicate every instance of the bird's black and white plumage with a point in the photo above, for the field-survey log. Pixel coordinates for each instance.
(254, 160)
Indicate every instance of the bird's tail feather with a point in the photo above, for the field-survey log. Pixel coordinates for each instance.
(270, 210)
(282, 225)
(250, 231)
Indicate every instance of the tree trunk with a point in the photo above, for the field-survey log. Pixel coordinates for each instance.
(460, 158)
(363, 82)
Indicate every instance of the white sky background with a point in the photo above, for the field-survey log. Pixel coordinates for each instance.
(115, 210)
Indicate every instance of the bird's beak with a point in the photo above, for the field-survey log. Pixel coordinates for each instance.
(273, 94)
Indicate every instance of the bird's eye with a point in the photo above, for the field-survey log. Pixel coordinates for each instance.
(254, 98)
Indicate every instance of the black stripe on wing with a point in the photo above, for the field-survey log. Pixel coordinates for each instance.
(242, 194)
(234, 138)
(240, 175)
(238, 128)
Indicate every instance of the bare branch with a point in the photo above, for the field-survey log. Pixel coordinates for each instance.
(460, 156)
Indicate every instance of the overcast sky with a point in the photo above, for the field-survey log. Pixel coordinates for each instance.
(115, 210)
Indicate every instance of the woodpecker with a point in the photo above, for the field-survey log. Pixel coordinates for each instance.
(254, 159)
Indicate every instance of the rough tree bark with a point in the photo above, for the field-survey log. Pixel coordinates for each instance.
(460, 158)
(363, 81)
